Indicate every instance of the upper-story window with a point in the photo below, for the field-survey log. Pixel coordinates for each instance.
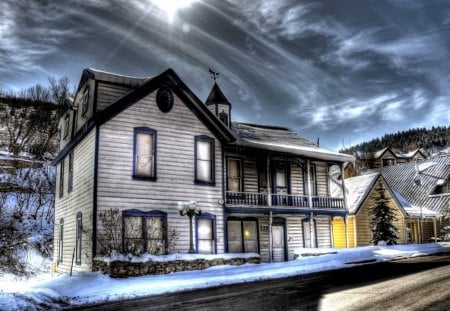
(388, 161)
(85, 101)
(442, 187)
(61, 178)
(234, 175)
(144, 165)
(204, 160)
(312, 181)
(66, 126)
(223, 116)
(70, 177)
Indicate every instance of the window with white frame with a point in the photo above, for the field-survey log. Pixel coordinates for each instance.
(204, 160)
(144, 166)
(242, 235)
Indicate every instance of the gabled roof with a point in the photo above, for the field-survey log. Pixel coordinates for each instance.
(281, 139)
(104, 76)
(167, 79)
(415, 181)
(380, 153)
(216, 96)
(411, 154)
(357, 189)
(412, 210)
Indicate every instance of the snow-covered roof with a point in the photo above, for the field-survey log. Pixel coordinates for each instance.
(281, 139)
(403, 178)
(357, 189)
(414, 211)
(101, 75)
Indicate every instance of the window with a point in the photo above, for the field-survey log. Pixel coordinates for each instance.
(224, 118)
(144, 232)
(61, 240)
(79, 230)
(388, 161)
(442, 187)
(144, 165)
(309, 234)
(234, 175)
(312, 178)
(242, 235)
(85, 101)
(70, 177)
(66, 126)
(205, 224)
(61, 179)
(204, 160)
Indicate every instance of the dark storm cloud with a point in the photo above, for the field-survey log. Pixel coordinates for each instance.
(341, 70)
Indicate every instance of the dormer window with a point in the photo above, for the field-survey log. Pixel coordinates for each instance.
(224, 118)
(442, 187)
(85, 101)
(66, 126)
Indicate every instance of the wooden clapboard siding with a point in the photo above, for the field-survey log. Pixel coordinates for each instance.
(351, 231)
(323, 231)
(250, 175)
(175, 167)
(294, 234)
(297, 187)
(263, 238)
(80, 199)
(363, 230)
(322, 178)
(107, 93)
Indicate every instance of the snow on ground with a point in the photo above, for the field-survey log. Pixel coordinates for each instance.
(44, 292)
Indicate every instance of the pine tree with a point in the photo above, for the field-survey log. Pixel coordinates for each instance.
(382, 220)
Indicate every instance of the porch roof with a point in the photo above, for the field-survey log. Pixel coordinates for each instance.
(281, 139)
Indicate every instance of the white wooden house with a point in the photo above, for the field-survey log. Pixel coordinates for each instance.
(131, 149)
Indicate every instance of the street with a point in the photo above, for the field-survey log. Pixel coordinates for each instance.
(421, 283)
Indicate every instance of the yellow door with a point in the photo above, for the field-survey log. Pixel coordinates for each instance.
(338, 232)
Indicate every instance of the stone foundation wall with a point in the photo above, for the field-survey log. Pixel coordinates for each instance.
(123, 269)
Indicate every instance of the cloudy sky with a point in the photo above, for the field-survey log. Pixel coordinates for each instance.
(345, 71)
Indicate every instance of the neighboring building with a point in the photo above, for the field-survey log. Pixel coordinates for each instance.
(360, 194)
(134, 148)
(423, 184)
(386, 157)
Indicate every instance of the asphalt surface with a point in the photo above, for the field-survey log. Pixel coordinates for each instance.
(421, 283)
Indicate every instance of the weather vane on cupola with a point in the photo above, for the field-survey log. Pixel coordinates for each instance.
(214, 75)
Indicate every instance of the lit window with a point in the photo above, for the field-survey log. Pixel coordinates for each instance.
(205, 234)
(144, 153)
(204, 160)
(242, 236)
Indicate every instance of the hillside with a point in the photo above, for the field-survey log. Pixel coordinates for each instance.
(432, 139)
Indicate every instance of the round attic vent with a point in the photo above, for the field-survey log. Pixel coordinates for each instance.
(164, 99)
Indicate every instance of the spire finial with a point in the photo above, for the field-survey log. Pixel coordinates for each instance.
(214, 75)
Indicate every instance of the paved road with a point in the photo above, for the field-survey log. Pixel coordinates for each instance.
(421, 283)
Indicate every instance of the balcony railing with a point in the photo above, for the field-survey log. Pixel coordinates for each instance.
(288, 200)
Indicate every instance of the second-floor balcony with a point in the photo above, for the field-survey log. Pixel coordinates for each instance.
(283, 200)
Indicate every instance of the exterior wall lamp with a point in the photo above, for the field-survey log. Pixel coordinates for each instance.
(190, 209)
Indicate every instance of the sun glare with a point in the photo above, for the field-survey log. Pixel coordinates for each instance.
(170, 7)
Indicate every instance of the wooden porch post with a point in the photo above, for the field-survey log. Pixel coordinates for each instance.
(270, 237)
(308, 182)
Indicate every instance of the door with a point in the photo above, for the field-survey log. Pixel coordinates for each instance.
(309, 234)
(278, 243)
